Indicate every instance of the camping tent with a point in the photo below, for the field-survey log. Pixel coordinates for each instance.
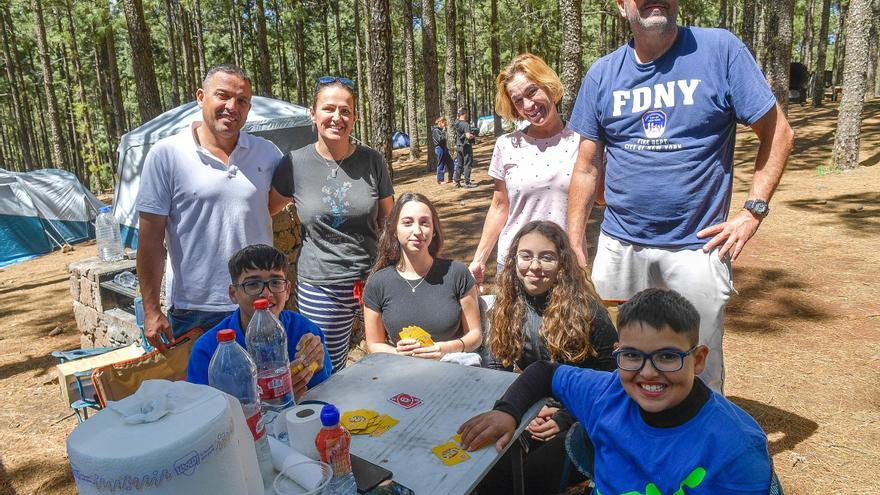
(41, 210)
(399, 140)
(285, 124)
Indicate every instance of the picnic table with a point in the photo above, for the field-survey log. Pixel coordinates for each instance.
(450, 394)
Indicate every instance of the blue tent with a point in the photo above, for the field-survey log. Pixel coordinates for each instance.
(399, 140)
(42, 210)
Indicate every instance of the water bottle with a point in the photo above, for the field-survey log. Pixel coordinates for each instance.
(267, 344)
(108, 236)
(232, 371)
(333, 443)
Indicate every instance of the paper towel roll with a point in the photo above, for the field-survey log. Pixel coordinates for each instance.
(169, 437)
(303, 425)
(309, 476)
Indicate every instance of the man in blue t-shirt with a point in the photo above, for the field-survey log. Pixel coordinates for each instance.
(664, 107)
(651, 426)
(259, 272)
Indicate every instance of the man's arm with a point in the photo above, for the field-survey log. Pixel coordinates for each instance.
(582, 193)
(277, 201)
(150, 268)
(776, 138)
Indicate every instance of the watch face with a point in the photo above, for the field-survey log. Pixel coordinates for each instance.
(761, 208)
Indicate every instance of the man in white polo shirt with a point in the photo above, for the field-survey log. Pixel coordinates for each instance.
(204, 195)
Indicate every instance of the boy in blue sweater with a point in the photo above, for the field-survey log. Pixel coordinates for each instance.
(260, 272)
(656, 428)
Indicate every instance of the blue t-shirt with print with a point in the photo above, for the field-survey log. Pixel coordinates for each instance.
(669, 127)
(294, 324)
(720, 450)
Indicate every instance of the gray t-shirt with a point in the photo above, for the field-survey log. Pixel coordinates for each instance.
(338, 214)
(434, 306)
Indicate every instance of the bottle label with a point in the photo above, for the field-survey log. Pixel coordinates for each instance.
(338, 456)
(274, 386)
(255, 423)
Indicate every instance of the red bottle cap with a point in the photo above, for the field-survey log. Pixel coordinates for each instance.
(261, 304)
(225, 335)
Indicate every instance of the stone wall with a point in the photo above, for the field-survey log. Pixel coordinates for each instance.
(99, 312)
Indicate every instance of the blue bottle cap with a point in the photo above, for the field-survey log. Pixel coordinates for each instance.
(105, 209)
(329, 415)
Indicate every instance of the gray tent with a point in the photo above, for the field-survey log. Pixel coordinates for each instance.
(285, 124)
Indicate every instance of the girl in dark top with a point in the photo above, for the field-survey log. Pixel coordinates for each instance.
(445, 164)
(411, 286)
(546, 309)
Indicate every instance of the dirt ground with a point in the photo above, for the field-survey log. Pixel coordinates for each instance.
(802, 344)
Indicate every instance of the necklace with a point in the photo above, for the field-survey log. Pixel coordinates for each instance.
(421, 279)
(334, 170)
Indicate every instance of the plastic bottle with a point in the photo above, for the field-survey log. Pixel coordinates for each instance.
(267, 345)
(232, 371)
(333, 443)
(108, 237)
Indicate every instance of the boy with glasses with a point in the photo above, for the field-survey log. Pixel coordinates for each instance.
(259, 272)
(655, 426)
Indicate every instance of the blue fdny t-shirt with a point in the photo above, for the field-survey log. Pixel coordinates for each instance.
(721, 450)
(294, 324)
(669, 128)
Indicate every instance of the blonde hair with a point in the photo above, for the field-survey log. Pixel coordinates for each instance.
(440, 120)
(537, 71)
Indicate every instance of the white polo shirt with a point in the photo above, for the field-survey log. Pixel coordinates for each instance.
(213, 211)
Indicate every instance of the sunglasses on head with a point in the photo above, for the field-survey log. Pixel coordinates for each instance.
(324, 80)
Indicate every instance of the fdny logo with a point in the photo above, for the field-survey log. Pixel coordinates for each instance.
(654, 123)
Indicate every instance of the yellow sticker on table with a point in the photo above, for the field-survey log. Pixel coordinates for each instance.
(450, 453)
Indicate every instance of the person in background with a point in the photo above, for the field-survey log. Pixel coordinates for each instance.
(531, 167)
(204, 195)
(343, 194)
(445, 165)
(545, 310)
(260, 272)
(664, 109)
(410, 285)
(464, 144)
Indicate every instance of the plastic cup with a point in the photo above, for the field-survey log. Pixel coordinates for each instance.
(314, 473)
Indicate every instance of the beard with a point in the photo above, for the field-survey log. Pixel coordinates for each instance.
(653, 23)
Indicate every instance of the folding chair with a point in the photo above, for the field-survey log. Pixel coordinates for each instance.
(84, 391)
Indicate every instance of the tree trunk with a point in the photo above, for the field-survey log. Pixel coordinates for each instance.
(172, 55)
(495, 56)
(358, 60)
(382, 90)
(432, 84)
(747, 28)
(777, 48)
(571, 53)
(149, 103)
(58, 145)
(839, 50)
(300, 56)
(463, 68)
(16, 89)
(235, 34)
(450, 76)
(200, 39)
(325, 35)
(283, 67)
(334, 6)
(849, 118)
(722, 14)
(263, 50)
(806, 49)
(189, 61)
(871, 84)
(412, 122)
(91, 151)
(368, 63)
(818, 89)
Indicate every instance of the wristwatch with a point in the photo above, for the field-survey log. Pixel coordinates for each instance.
(759, 207)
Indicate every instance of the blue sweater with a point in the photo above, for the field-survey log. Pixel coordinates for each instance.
(719, 451)
(294, 324)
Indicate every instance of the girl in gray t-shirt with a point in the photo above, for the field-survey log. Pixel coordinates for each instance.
(343, 193)
(411, 286)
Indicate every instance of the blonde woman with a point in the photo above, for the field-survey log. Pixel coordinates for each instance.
(532, 167)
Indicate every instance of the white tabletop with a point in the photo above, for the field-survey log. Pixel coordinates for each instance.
(450, 393)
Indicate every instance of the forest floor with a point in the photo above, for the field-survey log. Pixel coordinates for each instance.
(802, 343)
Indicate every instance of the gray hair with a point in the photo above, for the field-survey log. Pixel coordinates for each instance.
(226, 69)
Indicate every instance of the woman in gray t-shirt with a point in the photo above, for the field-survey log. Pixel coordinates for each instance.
(343, 193)
(411, 287)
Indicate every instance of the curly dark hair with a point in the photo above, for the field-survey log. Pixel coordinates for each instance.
(571, 304)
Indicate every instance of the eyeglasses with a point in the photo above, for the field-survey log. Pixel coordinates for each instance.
(545, 261)
(324, 80)
(665, 360)
(255, 287)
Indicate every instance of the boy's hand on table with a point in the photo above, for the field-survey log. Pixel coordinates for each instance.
(492, 426)
(310, 350)
(543, 427)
